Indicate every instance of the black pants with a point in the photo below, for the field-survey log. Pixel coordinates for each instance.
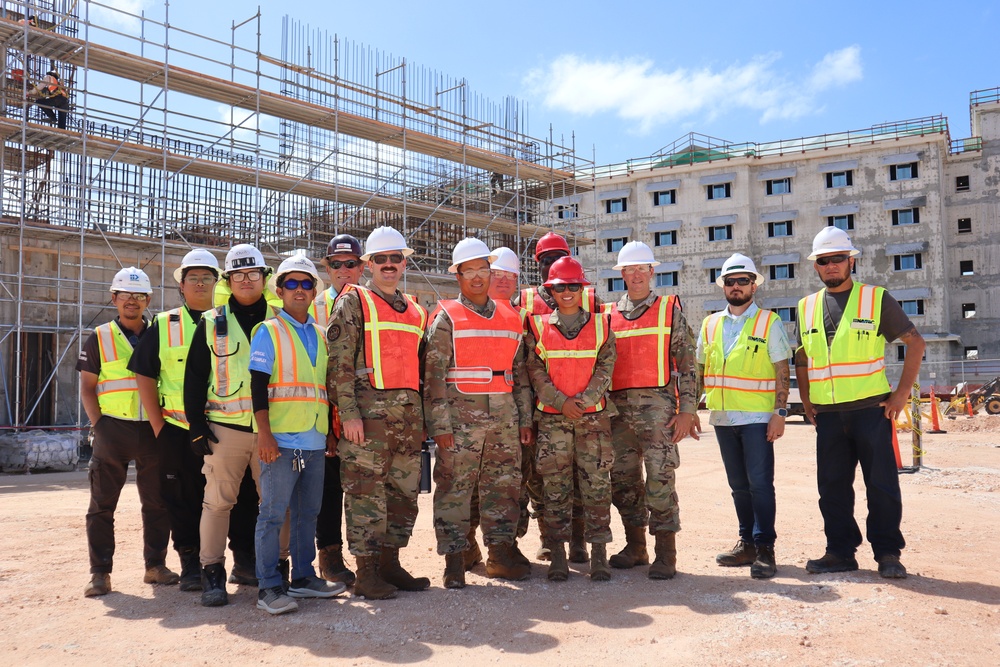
(60, 104)
(183, 487)
(331, 513)
(116, 443)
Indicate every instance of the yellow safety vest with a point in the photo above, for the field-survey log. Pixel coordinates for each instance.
(322, 307)
(296, 393)
(229, 398)
(745, 380)
(852, 366)
(176, 329)
(117, 390)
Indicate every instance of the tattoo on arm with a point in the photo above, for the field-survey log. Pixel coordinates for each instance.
(782, 383)
(908, 335)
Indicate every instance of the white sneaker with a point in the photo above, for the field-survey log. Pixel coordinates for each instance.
(274, 601)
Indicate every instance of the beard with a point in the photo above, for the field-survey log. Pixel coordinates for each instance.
(739, 300)
(836, 281)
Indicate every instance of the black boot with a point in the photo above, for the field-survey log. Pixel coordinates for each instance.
(190, 569)
(213, 585)
(244, 568)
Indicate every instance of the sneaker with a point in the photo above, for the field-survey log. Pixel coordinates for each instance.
(889, 567)
(744, 553)
(831, 563)
(314, 587)
(764, 567)
(159, 574)
(100, 584)
(274, 601)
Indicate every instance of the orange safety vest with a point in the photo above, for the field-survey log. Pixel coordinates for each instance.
(392, 342)
(50, 87)
(532, 301)
(570, 363)
(643, 345)
(484, 348)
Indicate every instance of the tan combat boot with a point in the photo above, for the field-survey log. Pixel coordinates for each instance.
(543, 551)
(518, 556)
(369, 584)
(454, 571)
(599, 570)
(391, 571)
(634, 552)
(559, 568)
(501, 564)
(665, 565)
(332, 567)
(577, 544)
(472, 555)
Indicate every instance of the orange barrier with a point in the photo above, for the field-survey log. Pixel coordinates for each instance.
(895, 448)
(968, 403)
(935, 424)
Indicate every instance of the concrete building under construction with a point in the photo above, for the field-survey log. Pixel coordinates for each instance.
(178, 140)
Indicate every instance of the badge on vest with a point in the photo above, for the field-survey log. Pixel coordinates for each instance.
(867, 325)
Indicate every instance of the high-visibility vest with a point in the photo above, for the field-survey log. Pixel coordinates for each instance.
(392, 342)
(175, 329)
(296, 393)
(117, 390)
(643, 345)
(50, 87)
(532, 302)
(229, 398)
(322, 308)
(484, 348)
(852, 366)
(746, 379)
(570, 363)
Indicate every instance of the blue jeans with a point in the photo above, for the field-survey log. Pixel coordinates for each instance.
(843, 440)
(749, 461)
(280, 488)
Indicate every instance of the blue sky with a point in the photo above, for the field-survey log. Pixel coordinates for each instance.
(631, 77)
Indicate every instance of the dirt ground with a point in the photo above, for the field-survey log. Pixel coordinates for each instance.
(946, 613)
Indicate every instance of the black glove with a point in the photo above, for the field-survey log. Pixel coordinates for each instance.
(201, 434)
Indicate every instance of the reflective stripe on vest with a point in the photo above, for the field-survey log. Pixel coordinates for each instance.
(175, 329)
(484, 348)
(392, 337)
(534, 304)
(296, 393)
(229, 399)
(322, 308)
(852, 365)
(570, 363)
(643, 345)
(117, 390)
(746, 379)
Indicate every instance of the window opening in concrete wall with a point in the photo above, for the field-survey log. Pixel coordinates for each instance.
(720, 233)
(910, 262)
(972, 352)
(782, 271)
(778, 229)
(786, 314)
(568, 212)
(965, 267)
(667, 279)
(614, 245)
(779, 186)
(840, 179)
(665, 198)
(906, 216)
(665, 238)
(912, 307)
(845, 222)
(903, 172)
(961, 184)
(713, 274)
(720, 191)
(965, 225)
(968, 311)
(616, 284)
(616, 205)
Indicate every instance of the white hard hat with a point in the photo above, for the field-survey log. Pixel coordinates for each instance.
(131, 279)
(385, 239)
(832, 240)
(296, 264)
(738, 263)
(635, 253)
(244, 256)
(467, 250)
(199, 258)
(506, 260)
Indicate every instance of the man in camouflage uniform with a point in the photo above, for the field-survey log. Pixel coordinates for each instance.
(381, 415)
(570, 360)
(657, 401)
(478, 410)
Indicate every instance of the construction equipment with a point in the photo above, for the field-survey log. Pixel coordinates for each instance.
(970, 401)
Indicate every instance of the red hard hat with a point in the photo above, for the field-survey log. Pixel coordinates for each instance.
(566, 271)
(550, 242)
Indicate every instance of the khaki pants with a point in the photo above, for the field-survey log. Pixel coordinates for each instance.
(223, 470)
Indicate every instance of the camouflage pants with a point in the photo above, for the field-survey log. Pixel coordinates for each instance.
(527, 471)
(640, 437)
(381, 477)
(486, 455)
(585, 442)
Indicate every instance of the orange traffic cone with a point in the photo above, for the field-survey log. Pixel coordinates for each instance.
(935, 424)
(968, 404)
(895, 448)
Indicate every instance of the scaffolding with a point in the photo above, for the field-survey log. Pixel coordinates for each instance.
(178, 139)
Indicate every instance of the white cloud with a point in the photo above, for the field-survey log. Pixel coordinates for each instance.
(638, 92)
(119, 13)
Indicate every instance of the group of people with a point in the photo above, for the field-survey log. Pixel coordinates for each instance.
(269, 409)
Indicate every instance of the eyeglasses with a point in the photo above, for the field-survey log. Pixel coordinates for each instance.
(742, 282)
(632, 270)
(133, 296)
(291, 283)
(469, 274)
(500, 274)
(336, 264)
(831, 259)
(200, 280)
(394, 258)
(252, 276)
(559, 289)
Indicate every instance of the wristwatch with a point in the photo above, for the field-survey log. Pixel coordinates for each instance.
(781, 412)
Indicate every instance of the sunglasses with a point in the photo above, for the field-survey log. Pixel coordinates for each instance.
(559, 289)
(742, 282)
(476, 273)
(252, 276)
(394, 258)
(550, 257)
(338, 263)
(292, 283)
(831, 259)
